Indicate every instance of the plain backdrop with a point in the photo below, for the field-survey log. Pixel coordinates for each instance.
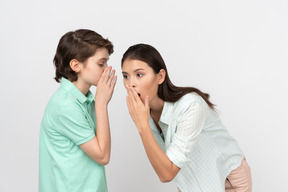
(237, 51)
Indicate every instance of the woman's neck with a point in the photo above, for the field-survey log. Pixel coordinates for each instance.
(156, 108)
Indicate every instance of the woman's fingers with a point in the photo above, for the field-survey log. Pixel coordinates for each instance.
(131, 102)
(134, 102)
(135, 95)
(147, 103)
(127, 89)
(128, 98)
(130, 94)
(130, 106)
(128, 102)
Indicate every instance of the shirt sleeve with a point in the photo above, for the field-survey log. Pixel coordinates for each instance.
(189, 126)
(73, 124)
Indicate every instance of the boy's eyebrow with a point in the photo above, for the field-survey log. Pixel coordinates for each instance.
(103, 59)
(123, 72)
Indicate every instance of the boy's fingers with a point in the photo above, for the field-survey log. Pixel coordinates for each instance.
(114, 82)
(111, 77)
(107, 73)
(102, 76)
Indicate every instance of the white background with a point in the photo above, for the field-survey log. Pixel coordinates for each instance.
(235, 50)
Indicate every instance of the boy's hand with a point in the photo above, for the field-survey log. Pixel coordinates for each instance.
(105, 86)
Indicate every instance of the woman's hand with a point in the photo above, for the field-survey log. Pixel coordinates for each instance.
(139, 111)
(105, 86)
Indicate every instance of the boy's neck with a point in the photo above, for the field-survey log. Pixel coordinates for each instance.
(83, 87)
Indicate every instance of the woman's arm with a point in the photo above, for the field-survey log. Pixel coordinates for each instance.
(99, 147)
(164, 168)
(140, 114)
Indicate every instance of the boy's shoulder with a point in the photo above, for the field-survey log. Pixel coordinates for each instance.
(62, 99)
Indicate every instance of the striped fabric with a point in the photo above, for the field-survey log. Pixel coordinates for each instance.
(196, 141)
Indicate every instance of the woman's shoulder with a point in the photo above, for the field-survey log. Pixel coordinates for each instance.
(190, 98)
(187, 101)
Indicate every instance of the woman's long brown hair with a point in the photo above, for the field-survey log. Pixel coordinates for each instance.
(167, 90)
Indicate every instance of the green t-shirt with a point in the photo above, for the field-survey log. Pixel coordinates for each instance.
(69, 120)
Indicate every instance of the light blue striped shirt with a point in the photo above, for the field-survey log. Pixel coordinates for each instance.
(196, 141)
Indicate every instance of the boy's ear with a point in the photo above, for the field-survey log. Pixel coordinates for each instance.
(75, 65)
(161, 76)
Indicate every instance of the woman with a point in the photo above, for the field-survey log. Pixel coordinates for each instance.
(182, 134)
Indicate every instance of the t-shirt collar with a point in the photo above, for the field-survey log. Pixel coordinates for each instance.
(69, 86)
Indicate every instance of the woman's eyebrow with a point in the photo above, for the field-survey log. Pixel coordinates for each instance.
(138, 70)
(124, 72)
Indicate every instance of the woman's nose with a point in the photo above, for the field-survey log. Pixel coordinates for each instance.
(132, 83)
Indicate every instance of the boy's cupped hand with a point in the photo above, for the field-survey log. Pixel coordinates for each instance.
(105, 86)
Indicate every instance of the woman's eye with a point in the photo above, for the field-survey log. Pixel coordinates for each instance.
(125, 76)
(101, 64)
(139, 75)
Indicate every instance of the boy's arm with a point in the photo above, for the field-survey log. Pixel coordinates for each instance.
(99, 147)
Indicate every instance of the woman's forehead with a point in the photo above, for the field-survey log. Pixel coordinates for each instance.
(132, 65)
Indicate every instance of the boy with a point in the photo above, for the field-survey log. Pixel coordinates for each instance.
(74, 147)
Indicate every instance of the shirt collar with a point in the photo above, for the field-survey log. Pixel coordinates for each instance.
(166, 115)
(69, 86)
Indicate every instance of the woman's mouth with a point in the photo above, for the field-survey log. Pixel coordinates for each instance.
(139, 94)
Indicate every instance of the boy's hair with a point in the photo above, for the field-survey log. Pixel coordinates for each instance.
(80, 45)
